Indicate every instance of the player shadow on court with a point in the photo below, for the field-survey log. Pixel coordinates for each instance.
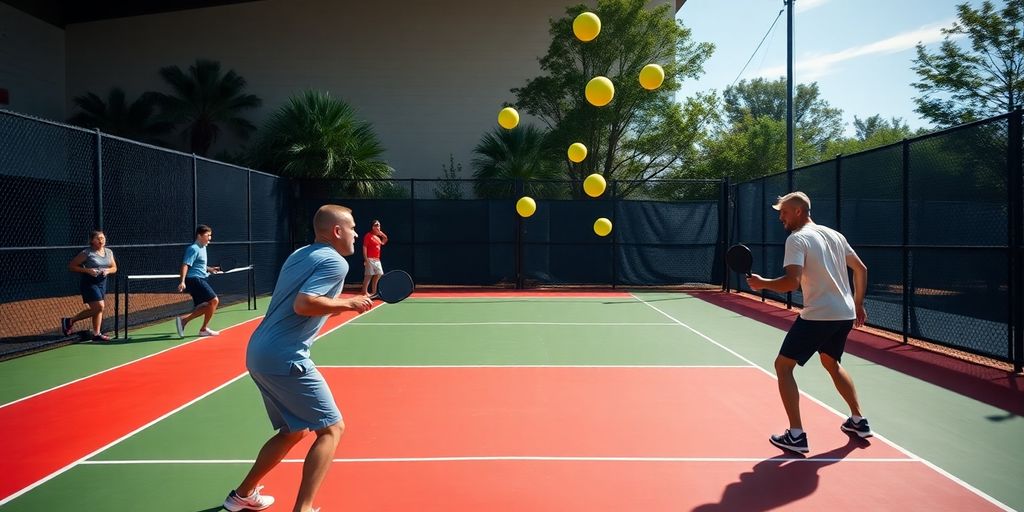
(131, 340)
(778, 481)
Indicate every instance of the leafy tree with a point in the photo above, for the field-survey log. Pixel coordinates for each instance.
(316, 136)
(136, 121)
(207, 101)
(503, 156)
(634, 136)
(815, 120)
(981, 79)
(872, 132)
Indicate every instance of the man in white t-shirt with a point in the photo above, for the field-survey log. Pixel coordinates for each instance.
(816, 261)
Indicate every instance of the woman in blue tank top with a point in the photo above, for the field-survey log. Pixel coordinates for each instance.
(94, 264)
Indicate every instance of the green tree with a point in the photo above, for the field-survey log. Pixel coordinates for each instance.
(816, 122)
(136, 121)
(207, 101)
(983, 78)
(619, 136)
(522, 153)
(872, 132)
(317, 136)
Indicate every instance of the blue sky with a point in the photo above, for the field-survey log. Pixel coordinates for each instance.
(859, 51)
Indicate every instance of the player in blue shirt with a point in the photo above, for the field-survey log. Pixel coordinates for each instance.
(296, 396)
(193, 276)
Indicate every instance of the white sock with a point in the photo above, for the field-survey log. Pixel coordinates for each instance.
(795, 432)
(856, 419)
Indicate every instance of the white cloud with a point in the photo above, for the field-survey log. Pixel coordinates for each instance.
(814, 67)
(806, 5)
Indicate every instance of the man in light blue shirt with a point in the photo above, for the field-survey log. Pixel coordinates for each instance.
(296, 396)
(193, 276)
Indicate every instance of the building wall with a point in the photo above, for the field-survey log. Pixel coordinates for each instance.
(32, 64)
(430, 76)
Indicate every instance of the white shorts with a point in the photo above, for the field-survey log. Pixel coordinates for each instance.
(373, 267)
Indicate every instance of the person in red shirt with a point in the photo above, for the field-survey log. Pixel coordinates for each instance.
(372, 243)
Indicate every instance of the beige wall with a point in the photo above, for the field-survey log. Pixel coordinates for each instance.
(429, 75)
(32, 64)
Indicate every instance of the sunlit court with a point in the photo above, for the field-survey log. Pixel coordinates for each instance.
(455, 256)
(495, 401)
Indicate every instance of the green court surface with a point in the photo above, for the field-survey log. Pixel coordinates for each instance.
(390, 366)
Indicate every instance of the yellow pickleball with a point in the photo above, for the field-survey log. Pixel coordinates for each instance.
(577, 152)
(651, 77)
(508, 118)
(599, 91)
(594, 185)
(602, 226)
(526, 206)
(586, 26)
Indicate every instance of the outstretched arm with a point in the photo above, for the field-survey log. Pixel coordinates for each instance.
(319, 305)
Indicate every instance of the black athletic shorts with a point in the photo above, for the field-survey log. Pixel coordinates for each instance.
(809, 336)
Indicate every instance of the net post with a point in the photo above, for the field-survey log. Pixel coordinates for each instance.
(127, 286)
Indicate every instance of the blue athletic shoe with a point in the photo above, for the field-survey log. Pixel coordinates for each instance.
(860, 428)
(790, 442)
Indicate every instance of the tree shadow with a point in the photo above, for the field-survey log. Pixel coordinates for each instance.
(778, 481)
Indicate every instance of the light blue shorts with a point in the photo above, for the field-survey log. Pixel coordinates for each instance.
(298, 401)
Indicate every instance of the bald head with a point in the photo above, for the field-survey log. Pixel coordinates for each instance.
(330, 215)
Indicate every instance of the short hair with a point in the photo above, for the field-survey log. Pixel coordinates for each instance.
(95, 233)
(202, 229)
(326, 216)
(797, 197)
(375, 222)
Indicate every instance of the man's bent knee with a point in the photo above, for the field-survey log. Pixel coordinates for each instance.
(784, 364)
(336, 429)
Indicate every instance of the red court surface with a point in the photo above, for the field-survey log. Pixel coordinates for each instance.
(583, 419)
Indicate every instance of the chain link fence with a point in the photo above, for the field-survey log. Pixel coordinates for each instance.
(59, 182)
(467, 233)
(937, 220)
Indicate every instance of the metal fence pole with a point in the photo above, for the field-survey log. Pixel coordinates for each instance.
(412, 228)
(1015, 334)
(764, 235)
(518, 186)
(906, 239)
(723, 230)
(839, 192)
(195, 192)
(97, 186)
(615, 234)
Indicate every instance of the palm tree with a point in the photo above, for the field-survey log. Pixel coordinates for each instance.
(207, 101)
(115, 116)
(317, 136)
(522, 153)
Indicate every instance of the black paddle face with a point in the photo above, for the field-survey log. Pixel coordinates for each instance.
(394, 286)
(740, 259)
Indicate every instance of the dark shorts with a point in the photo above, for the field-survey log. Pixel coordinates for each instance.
(93, 289)
(199, 289)
(809, 336)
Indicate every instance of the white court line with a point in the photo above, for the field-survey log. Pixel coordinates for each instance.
(147, 425)
(598, 324)
(509, 458)
(456, 366)
(123, 364)
(827, 407)
(53, 475)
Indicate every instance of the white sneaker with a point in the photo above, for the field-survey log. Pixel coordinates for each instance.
(209, 332)
(179, 327)
(254, 501)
